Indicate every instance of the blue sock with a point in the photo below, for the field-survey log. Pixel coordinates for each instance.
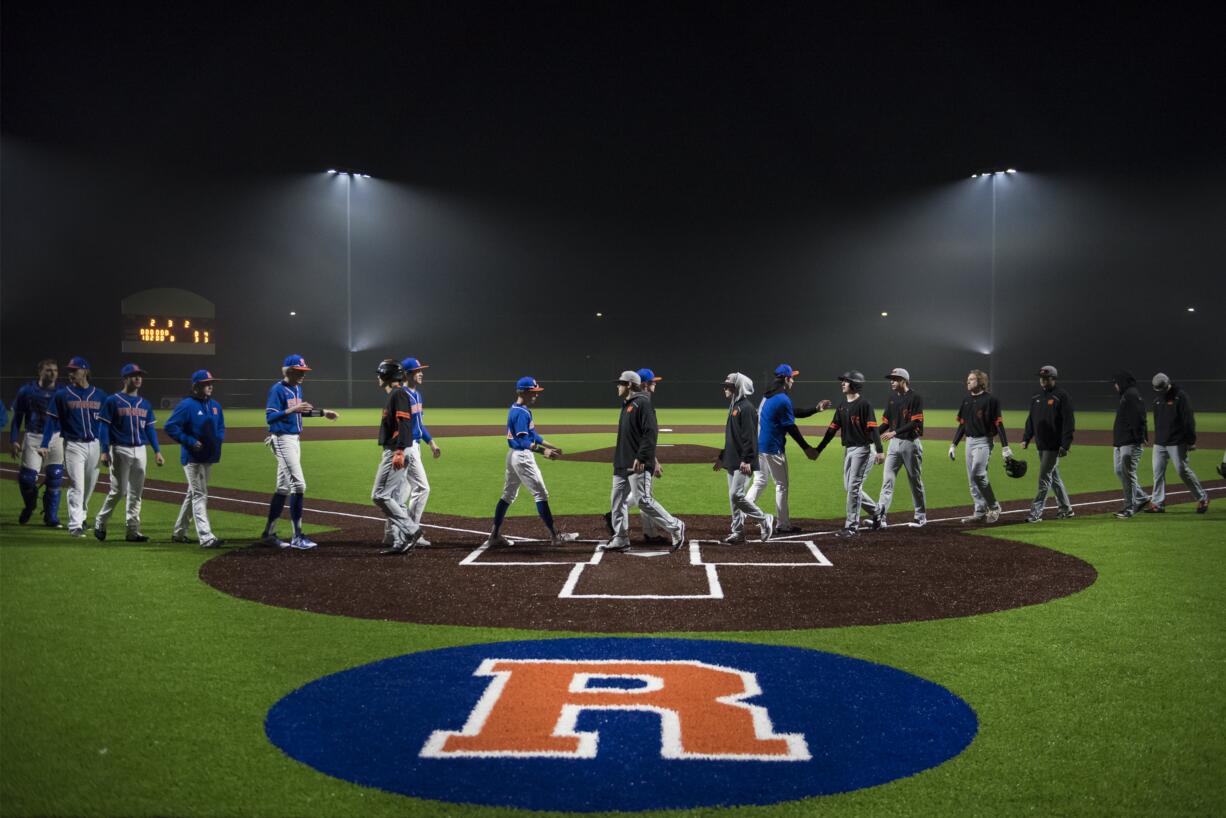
(500, 513)
(295, 513)
(274, 513)
(542, 508)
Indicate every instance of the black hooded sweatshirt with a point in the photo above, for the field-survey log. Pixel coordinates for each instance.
(1131, 427)
(1174, 423)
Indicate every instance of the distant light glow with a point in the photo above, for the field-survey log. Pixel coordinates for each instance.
(1011, 170)
(600, 315)
(1191, 309)
(291, 312)
(884, 314)
(974, 175)
(364, 175)
(330, 170)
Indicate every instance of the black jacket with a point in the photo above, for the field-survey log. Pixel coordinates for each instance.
(740, 436)
(396, 428)
(1050, 422)
(1131, 425)
(637, 432)
(1174, 423)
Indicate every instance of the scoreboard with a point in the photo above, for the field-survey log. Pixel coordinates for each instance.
(167, 321)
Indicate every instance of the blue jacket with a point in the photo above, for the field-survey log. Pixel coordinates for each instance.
(198, 420)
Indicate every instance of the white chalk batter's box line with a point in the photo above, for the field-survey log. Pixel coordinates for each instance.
(819, 559)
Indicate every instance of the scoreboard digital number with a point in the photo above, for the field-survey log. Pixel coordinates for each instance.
(172, 336)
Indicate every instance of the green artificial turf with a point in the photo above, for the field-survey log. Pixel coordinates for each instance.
(128, 687)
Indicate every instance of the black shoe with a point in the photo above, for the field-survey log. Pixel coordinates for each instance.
(608, 522)
(25, 515)
(137, 537)
(100, 533)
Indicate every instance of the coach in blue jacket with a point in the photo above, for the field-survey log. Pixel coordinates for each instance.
(199, 425)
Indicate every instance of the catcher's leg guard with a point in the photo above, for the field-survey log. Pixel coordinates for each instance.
(27, 481)
(51, 495)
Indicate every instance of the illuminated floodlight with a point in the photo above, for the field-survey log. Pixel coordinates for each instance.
(291, 312)
(1191, 309)
(1011, 170)
(974, 175)
(884, 314)
(332, 170)
(364, 175)
(600, 315)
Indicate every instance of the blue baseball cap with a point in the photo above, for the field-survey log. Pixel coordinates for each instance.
(785, 371)
(412, 365)
(78, 363)
(131, 369)
(296, 362)
(528, 384)
(202, 376)
(648, 376)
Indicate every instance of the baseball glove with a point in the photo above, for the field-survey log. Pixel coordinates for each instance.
(1015, 467)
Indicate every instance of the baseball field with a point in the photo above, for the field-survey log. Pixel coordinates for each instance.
(1066, 667)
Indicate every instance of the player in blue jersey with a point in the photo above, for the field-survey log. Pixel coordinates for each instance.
(198, 425)
(30, 412)
(521, 468)
(73, 412)
(127, 426)
(416, 487)
(284, 412)
(776, 418)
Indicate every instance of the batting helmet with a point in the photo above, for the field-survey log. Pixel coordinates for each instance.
(1015, 467)
(390, 370)
(853, 377)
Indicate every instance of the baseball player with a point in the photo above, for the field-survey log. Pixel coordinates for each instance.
(777, 417)
(284, 412)
(395, 435)
(979, 420)
(416, 487)
(1174, 437)
(633, 464)
(650, 535)
(30, 411)
(739, 458)
(521, 468)
(73, 412)
(127, 425)
(1051, 425)
(903, 422)
(855, 420)
(1128, 438)
(199, 426)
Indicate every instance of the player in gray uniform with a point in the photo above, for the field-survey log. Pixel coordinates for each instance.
(739, 458)
(651, 535)
(394, 437)
(980, 420)
(1174, 437)
(633, 462)
(1128, 439)
(903, 421)
(1051, 425)
(855, 420)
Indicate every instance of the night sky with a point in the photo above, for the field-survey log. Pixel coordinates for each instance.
(731, 185)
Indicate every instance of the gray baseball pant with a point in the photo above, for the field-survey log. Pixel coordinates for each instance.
(388, 488)
(774, 467)
(907, 454)
(856, 462)
(1049, 480)
(739, 502)
(195, 505)
(81, 466)
(1127, 458)
(127, 483)
(978, 452)
(637, 485)
(414, 492)
(1178, 454)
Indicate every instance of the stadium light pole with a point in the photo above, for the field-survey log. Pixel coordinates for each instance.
(348, 175)
(992, 174)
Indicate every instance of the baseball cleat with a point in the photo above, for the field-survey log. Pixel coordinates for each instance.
(273, 541)
(919, 522)
(561, 538)
(734, 539)
(1202, 506)
(1125, 513)
(422, 542)
(404, 548)
(974, 518)
(679, 537)
(497, 540)
(1030, 518)
(993, 514)
(52, 522)
(614, 545)
(100, 533)
(25, 515)
(1066, 515)
(183, 538)
(216, 542)
(767, 528)
(608, 522)
(302, 543)
(76, 532)
(136, 536)
(844, 533)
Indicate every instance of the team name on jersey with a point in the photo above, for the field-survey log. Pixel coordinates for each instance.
(85, 404)
(133, 412)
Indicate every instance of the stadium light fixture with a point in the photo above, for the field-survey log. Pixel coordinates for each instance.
(348, 174)
(884, 314)
(1191, 309)
(292, 313)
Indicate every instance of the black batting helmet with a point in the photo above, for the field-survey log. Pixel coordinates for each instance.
(390, 370)
(1014, 467)
(854, 377)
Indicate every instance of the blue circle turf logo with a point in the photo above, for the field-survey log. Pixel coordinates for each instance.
(621, 724)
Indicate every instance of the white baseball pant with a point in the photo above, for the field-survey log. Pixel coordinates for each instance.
(81, 466)
(288, 451)
(196, 504)
(774, 467)
(638, 485)
(30, 458)
(522, 470)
